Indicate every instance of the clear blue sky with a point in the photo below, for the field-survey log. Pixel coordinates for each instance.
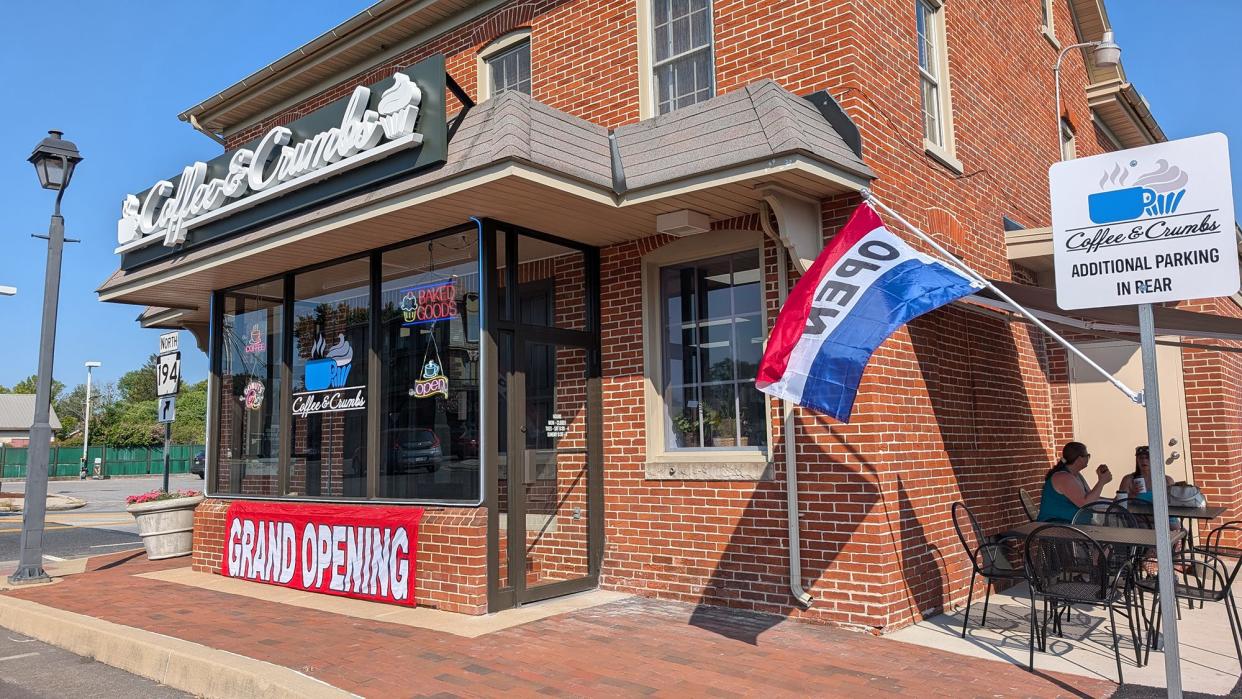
(126, 69)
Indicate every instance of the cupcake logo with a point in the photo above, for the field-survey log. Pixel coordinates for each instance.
(1156, 192)
(328, 368)
(409, 307)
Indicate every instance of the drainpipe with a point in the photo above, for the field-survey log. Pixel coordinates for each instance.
(791, 466)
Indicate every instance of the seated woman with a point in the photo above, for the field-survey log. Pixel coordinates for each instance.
(1065, 490)
(1138, 484)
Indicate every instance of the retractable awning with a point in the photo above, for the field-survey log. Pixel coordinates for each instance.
(1042, 303)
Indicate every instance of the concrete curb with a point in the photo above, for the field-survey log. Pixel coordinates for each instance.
(180, 664)
(55, 503)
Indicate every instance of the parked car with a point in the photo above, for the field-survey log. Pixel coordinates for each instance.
(414, 449)
(466, 445)
(198, 464)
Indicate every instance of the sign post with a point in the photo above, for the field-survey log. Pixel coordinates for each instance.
(1147, 225)
(167, 385)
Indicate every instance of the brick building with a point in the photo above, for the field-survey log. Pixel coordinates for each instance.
(611, 195)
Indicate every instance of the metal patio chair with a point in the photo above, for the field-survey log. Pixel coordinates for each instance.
(1028, 505)
(1066, 566)
(1205, 577)
(987, 558)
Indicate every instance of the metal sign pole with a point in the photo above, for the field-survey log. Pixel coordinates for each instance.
(1160, 503)
(167, 440)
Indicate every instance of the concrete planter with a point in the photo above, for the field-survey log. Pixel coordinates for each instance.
(166, 526)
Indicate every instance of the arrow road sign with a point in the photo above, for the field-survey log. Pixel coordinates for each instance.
(167, 411)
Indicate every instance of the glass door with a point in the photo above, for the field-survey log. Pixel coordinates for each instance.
(548, 523)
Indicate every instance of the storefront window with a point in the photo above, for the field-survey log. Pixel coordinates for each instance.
(249, 420)
(712, 343)
(429, 371)
(331, 326)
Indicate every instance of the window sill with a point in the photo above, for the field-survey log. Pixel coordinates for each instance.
(1052, 39)
(726, 467)
(942, 156)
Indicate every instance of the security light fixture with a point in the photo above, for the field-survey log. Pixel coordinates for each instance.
(93, 365)
(54, 159)
(1107, 53)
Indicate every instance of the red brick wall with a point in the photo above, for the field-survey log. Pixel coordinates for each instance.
(954, 407)
(452, 554)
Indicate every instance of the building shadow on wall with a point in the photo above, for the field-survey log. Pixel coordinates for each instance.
(835, 496)
(990, 434)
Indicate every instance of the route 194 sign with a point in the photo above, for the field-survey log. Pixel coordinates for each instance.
(1145, 225)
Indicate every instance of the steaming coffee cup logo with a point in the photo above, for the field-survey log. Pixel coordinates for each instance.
(1155, 193)
(330, 368)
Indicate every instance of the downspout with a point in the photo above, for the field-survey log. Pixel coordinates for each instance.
(791, 465)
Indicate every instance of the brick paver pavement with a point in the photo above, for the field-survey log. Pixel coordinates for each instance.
(634, 647)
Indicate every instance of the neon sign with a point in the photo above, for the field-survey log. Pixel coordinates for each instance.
(429, 303)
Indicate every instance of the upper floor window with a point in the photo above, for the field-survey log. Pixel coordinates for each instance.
(934, 101)
(511, 69)
(929, 70)
(505, 65)
(1068, 148)
(682, 61)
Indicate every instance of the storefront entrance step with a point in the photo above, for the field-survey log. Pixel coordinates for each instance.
(190, 667)
(419, 617)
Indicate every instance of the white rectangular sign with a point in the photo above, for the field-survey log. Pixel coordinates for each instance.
(169, 342)
(168, 374)
(167, 411)
(1145, 225)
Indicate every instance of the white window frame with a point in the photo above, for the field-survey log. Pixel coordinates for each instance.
(1048, 25)
(648, 100)
(496, 47)
(944, 152)
(704, 246)
(1069, 140)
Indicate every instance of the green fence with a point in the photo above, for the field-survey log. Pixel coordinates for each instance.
(66, 461)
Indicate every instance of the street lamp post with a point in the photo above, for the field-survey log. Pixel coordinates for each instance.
(54, 160)
(86, 421)
(1106, 53)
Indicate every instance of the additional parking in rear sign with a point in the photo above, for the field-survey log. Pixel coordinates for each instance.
(1145, 225)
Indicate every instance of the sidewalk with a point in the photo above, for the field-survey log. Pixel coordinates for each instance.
(617, 646)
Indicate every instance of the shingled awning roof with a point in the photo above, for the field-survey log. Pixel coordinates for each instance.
(17, 412)
(520, 161)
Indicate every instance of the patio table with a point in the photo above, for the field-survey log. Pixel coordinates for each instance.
(1121, 536)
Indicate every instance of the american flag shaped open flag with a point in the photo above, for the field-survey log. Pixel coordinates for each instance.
(865, 285)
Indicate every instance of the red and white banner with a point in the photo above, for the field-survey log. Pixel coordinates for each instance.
(354, 551)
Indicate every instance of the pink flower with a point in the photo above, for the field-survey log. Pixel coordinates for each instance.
(158, 494)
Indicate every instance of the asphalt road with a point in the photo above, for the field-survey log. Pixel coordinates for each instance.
(33, 670)
(102, 526)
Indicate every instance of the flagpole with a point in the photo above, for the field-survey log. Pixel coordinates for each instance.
(869, 197)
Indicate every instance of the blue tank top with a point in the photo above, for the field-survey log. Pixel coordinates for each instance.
(1055, 507)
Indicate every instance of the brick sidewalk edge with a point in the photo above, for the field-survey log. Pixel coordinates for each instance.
(189, 667)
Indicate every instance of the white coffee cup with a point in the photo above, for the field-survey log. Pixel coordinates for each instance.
(1141, 484)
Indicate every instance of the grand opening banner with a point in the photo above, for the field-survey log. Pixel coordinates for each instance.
(362, 552)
